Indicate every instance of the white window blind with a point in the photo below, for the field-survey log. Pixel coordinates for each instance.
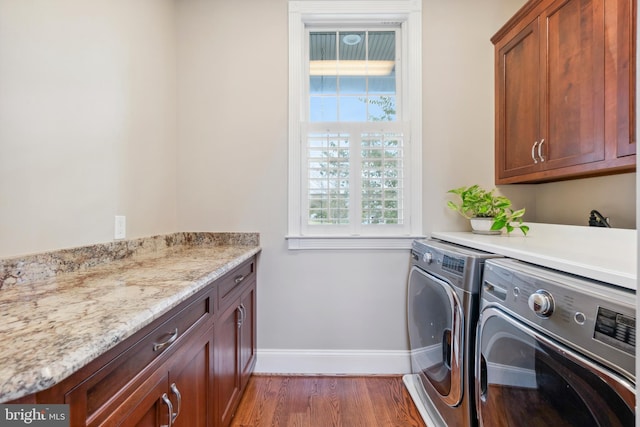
(355, 178)
(329, 178)
(382, 168)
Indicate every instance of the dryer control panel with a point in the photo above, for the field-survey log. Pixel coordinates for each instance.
(590, 316)
(616, 329)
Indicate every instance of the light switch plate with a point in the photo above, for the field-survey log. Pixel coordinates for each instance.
(121, 227)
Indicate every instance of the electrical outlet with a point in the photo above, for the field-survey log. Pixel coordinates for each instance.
(121, 227)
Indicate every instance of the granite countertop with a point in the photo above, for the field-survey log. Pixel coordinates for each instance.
(61, 310)
(605, 254)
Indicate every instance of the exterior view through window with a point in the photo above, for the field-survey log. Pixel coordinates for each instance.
(354, 136)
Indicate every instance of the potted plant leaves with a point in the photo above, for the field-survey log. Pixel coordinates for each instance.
(488, 213)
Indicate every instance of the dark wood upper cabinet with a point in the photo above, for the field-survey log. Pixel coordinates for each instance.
(565, 91)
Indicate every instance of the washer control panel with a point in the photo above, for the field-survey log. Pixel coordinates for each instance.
(616, 329)
(590, 316)
(541, 303)
(453, 264)
(458, 265)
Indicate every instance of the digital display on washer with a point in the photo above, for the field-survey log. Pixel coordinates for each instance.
(455, 265)
(615, 329)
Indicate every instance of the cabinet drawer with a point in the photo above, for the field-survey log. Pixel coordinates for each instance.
(101, 390)
(234, 280)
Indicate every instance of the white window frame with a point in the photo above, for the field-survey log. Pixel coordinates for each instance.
(408, 13)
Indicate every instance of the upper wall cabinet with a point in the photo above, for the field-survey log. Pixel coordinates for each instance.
(565, 91)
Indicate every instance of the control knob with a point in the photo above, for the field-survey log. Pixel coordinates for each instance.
(541, 302)
(427, 257)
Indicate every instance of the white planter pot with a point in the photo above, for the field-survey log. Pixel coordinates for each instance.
(483, 226)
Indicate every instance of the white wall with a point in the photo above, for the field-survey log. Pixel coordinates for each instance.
(233, 163)
(233, 176)
(87, 121)
(570, 202)
(458, 94)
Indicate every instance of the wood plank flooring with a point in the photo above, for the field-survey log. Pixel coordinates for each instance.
(331, 401)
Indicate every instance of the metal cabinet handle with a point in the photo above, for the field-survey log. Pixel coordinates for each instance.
(533, 152)
(161, 345)
(167, 402)
(176, 392)
(240, 316)
(540, 150)
(238, 279)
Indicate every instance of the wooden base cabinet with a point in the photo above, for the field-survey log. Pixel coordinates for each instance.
(177, 394)
(130, 380)
(565, 91)
(248, 334)
(192, 375)
(235, 345)
(188, 368)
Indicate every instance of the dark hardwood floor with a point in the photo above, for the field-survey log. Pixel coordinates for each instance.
(318, 401)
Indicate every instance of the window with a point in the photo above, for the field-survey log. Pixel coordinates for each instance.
(355, 110)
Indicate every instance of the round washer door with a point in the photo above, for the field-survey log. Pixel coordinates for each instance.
(435, 323)
(522, 374)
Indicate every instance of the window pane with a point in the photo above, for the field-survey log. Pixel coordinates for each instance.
(353, 85)
(383, 85)
(352, 109)
(352, 46)
(357, 69)
(382, 89)
(322, 46)
(324, 109)
(323, 85)
(382, 109)
(382, 45)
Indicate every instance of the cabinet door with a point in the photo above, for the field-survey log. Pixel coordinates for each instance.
(620, 54)
(104, 389)
(190, 376)
(518, 102)
(247, 334)
(227, 372)
(147, 406)
(574, 84)
(565, 79)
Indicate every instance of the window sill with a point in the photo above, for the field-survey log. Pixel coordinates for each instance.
(350, 242)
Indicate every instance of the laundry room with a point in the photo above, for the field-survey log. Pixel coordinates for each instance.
(131, 131)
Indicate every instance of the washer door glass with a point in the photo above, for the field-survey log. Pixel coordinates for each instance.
(523, 375)
(435, 325)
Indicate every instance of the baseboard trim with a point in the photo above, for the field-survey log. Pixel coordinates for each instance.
(333, 362)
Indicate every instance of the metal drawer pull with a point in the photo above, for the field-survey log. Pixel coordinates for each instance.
(239, 279)
(159, 346)
(176, 392)
(167, 402)
(240, 316)
(533, 152)
(540, 150)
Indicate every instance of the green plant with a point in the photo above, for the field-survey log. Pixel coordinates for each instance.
(476, 202)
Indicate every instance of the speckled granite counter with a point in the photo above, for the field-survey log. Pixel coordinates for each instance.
(60, 310)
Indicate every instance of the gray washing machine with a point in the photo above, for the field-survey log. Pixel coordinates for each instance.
(442, 311)
(563, 344)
